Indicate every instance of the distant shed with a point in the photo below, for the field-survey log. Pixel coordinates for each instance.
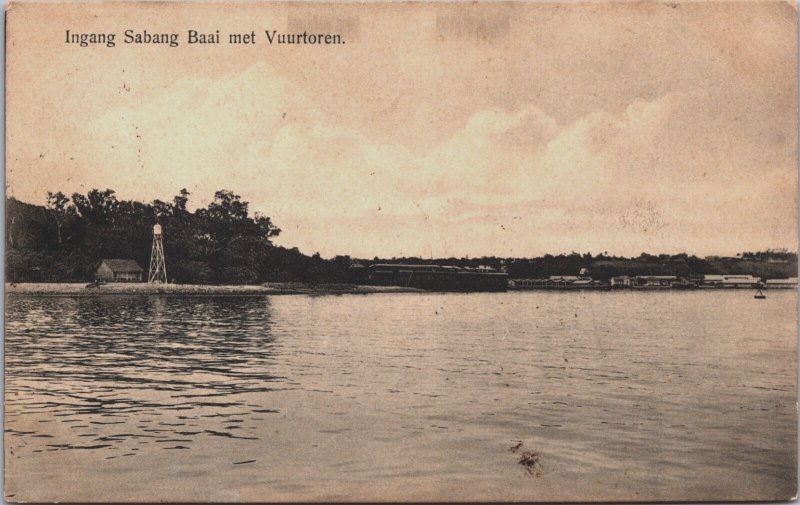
(116, 270)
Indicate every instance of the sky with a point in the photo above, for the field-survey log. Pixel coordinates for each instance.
(504, 129)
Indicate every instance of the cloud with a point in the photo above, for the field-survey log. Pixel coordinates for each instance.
(517, 182)
(190, 134)
(702, 169)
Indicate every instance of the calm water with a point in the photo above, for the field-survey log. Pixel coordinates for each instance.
(401, 396)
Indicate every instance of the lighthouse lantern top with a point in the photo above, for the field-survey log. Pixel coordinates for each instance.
(157, 229)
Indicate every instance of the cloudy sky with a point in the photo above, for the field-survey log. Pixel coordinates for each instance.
(438, 130)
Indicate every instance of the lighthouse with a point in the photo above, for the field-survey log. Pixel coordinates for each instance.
(158, 266)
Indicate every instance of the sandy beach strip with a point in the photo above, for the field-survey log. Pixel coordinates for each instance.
(128, 289)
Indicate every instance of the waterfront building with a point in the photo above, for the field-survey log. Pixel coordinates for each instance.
(621, 281)
(655, 281)
(790, 283)
(119, 270)
(729, 281)
(740, 281)
(711, 281)
(562, 280)
(530, 283)
(435, 277)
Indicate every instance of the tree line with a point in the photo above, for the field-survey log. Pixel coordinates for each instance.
(220, 244)
(223, 243)
(772, 264)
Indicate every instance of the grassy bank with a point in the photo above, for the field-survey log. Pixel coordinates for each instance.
(127, 289)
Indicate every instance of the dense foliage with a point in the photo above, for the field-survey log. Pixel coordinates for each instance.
(224, 244)
(219, 244)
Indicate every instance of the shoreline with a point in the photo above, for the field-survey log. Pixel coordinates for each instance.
(79, 289)
(132, 289)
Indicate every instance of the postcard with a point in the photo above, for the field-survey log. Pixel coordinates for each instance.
(406, 252)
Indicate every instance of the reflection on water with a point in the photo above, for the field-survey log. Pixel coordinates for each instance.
(637, 396)
(130, 373)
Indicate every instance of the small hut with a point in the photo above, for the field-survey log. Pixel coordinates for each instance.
(115, 270)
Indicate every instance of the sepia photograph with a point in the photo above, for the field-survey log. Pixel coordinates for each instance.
(400, 251)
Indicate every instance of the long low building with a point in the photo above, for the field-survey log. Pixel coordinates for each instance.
(435, 277)
(790, 283)
(556, 282)
(730, 281)
(655, 281)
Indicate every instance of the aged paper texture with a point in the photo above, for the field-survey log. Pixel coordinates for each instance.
(263, 252)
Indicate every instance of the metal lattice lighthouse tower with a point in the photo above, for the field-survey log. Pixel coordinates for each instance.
(158, 266)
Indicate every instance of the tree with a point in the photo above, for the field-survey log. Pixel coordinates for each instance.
(266, 228)
(59, 204)
(97, 206)
(227, 207)
(180, 201)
